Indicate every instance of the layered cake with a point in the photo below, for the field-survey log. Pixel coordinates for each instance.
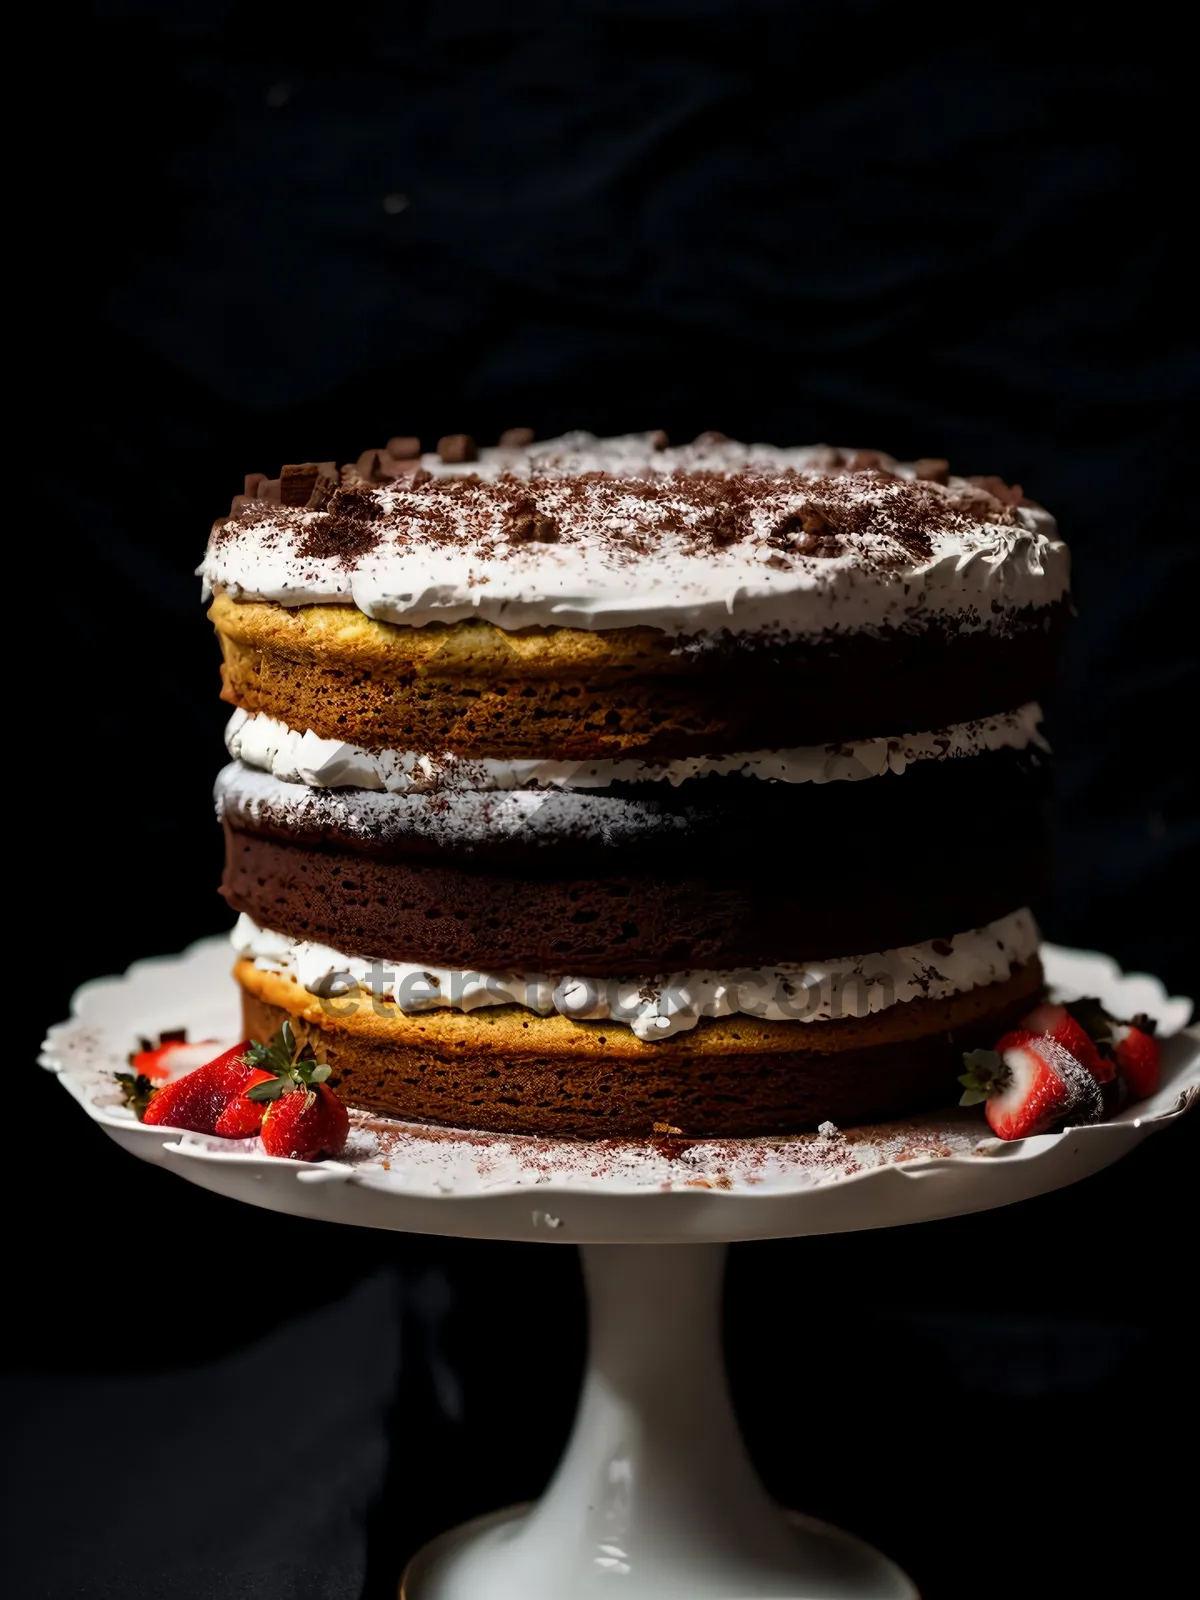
(597, 787)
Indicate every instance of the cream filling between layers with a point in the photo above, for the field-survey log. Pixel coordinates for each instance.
(656, 1008)
(271, 746)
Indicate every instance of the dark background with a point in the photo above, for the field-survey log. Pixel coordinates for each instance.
(290, 238)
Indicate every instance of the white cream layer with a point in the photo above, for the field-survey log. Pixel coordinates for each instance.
(654, 1009)
(271, 746)
(973, 574)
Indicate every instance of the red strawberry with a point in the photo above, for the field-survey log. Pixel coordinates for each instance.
(197, 1100)
(1030, 1083)
(160, 1061)
(1059, 1024)
(1138, 1055)
(242, 1117)
(306, 1123)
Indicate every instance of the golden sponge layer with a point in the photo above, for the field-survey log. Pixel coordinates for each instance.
(506, 1069)
(469, 687)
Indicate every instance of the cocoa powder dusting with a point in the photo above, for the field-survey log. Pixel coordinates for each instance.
(861, 510)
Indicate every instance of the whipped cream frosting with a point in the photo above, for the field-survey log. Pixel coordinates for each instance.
(655, 1009)
(635, 542)
(268, 745)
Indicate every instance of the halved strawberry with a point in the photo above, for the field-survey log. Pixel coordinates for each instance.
(1030, 1083)
(197, 1100)
(161, 1061)
(242, 1117)
(1058, 1023)
(1138, 1056)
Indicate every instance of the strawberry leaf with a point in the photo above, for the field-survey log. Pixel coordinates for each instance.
(985, 1076)
(293, 1067)
(137, 1091)
(279, 1056)
(269, 1089)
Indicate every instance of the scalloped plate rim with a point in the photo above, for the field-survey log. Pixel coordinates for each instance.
(989, 1153)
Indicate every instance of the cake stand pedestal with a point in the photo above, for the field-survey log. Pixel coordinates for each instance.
(655, 1496)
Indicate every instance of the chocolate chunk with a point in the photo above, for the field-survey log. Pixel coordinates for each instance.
(1007, 494)
(824, 546)
(868, 461)
(456, 447)
(525, 524)
(403, 448)
(325, 487)
(807, 533)
(269, 490)
(388, 468)
(381, 466)
(711, 436)
(296, 483)
(931, 469)
(516, 438)
(308, 484)
(253, 483)
(659, 440)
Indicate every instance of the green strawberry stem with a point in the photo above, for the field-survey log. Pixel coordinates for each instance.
(137, 1091)
(292, 1067)
(985, 1076)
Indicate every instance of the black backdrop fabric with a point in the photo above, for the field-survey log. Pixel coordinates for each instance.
(292, 238)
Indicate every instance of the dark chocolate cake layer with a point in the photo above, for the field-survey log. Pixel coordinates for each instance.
(798, 907)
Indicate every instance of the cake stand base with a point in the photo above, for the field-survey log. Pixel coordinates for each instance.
(655, 1498)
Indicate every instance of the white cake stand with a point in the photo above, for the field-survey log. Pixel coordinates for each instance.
(655, 1496)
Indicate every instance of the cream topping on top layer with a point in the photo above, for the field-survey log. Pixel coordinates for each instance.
(656, 1008)
(708, 538)
(269, 745)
